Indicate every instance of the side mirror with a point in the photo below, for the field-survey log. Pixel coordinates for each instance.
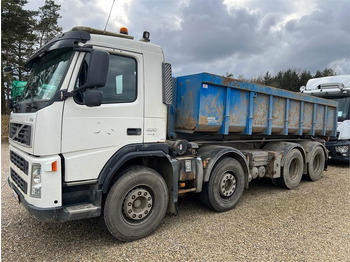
(11, 104)
(7, 70)
(97, 72)
(93, 97)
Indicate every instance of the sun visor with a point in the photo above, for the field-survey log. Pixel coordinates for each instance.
(66, 40)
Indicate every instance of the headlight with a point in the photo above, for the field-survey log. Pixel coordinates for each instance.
(342, 149)
(36, 181)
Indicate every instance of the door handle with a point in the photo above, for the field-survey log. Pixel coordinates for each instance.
(133, 131)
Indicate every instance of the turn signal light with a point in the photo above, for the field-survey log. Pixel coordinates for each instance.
(54, 166)
(124, 31)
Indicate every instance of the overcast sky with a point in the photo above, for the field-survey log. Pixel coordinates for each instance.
(242, 37)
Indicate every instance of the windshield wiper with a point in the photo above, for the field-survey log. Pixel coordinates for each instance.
(33, 103)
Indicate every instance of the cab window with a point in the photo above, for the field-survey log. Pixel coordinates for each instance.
(121, 84)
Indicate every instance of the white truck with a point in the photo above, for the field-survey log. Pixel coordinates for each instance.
(336, 88)
(102, 128)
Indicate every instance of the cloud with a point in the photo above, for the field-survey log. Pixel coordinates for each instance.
(249, 38)
(243, 37)
(81, 13)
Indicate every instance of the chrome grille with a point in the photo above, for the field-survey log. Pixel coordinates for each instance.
(19, 181)
(20, 162)
(20, 133)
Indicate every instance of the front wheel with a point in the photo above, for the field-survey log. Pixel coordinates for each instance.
(136, 204)
(225, 186)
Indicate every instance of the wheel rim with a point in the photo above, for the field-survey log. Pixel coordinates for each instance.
(316, 163)
(294, 169)
(227, 185)
(137, 204)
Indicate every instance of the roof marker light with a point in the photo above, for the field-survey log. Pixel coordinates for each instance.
(124, 31)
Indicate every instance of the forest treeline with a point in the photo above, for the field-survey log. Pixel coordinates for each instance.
(290, 79)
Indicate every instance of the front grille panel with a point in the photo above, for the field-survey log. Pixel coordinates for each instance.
(19, 181)
(20, 162)
(20, 133)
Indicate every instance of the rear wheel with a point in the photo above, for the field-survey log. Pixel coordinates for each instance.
(136, 204)
(316, 164)
(292, 170)
(225, 186)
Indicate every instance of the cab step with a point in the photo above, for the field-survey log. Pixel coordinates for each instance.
(85, 210)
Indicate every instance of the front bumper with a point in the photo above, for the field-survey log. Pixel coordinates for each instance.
(337, 156)
(42, 214)
(21, 172)
(56, 202)
(61, 214)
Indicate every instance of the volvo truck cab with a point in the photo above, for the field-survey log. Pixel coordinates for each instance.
(336, 88)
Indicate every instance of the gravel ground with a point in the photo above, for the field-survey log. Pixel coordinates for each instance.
(310, 223)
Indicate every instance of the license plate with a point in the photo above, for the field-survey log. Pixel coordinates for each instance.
(16, 196)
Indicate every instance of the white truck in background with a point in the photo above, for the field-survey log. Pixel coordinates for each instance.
(336, 88)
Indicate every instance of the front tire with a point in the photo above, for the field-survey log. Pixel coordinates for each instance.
(225, 186)
(136, 204)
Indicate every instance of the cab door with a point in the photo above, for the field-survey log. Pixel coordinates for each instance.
(91, 135)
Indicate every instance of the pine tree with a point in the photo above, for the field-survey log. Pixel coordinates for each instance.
(17, 40)
(47, 27)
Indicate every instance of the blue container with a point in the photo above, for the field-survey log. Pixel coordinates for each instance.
(208, 103)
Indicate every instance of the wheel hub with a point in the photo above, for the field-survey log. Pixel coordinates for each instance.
(227, 185)
(137, 204)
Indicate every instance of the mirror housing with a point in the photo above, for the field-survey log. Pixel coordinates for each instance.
(93, 97)
(97, 72)
(7, 70)
(11, 104)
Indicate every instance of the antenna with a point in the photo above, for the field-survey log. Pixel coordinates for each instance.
(109, 16)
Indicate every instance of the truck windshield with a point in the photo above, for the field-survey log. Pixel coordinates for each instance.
(343, 108)
(45, 79)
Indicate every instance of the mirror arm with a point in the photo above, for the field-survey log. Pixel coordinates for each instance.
(83, 87)
(64, 94)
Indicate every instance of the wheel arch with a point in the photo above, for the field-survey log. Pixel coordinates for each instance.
(309, 147)
(285, 147)
(154, 156)
(214, 153)
(131, 154)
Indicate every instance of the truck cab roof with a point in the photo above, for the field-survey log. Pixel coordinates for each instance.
(328, 86)
(328, 81)
(86, 36)
(119, 40)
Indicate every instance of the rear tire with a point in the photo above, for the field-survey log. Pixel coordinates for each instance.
(316, 164)
(136, 204)
(225, 186)
(292, 170)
